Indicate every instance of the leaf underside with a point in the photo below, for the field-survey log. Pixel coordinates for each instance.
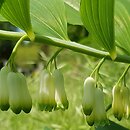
(98, 18)
(48, 18)
(122, 24)
(72, 12)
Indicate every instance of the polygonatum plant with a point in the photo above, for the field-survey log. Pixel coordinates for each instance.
(46, 22)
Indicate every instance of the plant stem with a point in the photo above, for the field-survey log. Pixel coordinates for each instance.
(108, 107)
(11, 58)
(19, 42)
(65, 44)
(54, 56)
(123, 75)
(55, 63)
(98, 67)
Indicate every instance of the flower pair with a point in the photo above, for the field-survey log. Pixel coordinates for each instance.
(93, 103)
(121, 101)
(14, 92)
(52, 94)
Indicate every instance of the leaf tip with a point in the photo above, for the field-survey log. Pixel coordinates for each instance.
(113, 54)
(31, 35)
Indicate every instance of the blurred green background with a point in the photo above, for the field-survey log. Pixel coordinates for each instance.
(75, 67)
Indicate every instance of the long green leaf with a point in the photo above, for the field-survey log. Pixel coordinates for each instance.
(73, 15)
(1, 2)
(2, 19)
(18, 13)
(122, 24)
(48, 18)
(98, 17)
(72, 12)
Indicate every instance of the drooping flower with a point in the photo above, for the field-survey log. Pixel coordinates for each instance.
(19, 97)
(117, 103)
(15, 95)
(4, 93)
(26, 100)
(100, 117)
(125, 99)
(46, 97)
(93, 103)
(61, 98)
(88, 95)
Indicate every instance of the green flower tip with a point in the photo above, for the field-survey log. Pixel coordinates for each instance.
(42, 102)
(65, 105)
(90, 122)
(119, 117)
(101, 123)
(100, 119)
(50, 107)
(46, 103)
(4, 107)
(87, 110)
(16, 110)
(96, 121)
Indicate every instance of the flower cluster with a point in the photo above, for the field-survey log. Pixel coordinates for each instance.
(93, 103)
(52, 94)
(14, 92)
(121, 102)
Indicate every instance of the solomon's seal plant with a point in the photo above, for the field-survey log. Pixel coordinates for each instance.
(108, 24)
(13, 87)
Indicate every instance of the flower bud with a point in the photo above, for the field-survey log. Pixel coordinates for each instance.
(88, 95)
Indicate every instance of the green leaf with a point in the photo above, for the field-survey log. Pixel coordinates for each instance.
(73, 3)
(2, 19)
(72, 12)
(18, 13)
(1, 2)
(48, 18)
(98, 18)
(122, 24)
